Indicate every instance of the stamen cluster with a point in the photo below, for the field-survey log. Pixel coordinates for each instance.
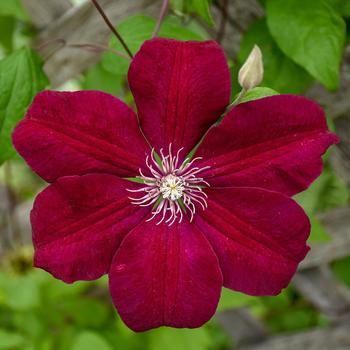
(173, 188)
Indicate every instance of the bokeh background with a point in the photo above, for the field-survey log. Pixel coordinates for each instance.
(65, 45)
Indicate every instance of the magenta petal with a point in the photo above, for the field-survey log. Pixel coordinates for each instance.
(259, 237)
(274, 143)
(78, 223)
(74, 133)
(165, 275)
(180, 89)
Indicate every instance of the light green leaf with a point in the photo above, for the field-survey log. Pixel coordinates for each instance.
(311, 33)
(280, 72)
(21, 78)
(230, 300)
(90, 341)
(97, 78)
(19, 292)
(258, 92)
(201, 8)
(193, 7)
(175, 339)
(135, 30)
(327, 192)
(13, 8)
(10, 340)
(318, 232)
(85, 312)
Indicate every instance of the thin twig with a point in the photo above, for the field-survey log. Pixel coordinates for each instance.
(162, 14)
(224, 18)
(61, 43)
(111, 27)
(99, 48)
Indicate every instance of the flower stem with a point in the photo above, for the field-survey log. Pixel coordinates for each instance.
(111, 27)
(237, 100)
(163, 12)
(99, 48)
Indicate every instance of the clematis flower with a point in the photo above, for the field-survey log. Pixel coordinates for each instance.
(169, 243)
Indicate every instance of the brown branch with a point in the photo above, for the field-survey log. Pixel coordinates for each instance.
(224, 18)
(111, 27)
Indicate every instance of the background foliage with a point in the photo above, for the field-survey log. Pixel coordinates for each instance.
(38, 312)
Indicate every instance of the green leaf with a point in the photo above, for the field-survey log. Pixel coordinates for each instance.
(90, 341)
(293, 319)
(201, 8)
(135, 30)
(280, 72)
(10, 340)
(19, 292)
(21, 78)
(7, 25)
(311, 33)
(258, 92)
(13, 8)
(230, 300)
(85, 312)
(342, 6)
(327, 192)
(318, 232)
(175, 339)
(97, 78)
(341, 269)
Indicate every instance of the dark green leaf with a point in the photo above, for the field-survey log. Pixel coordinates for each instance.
(342, 6)
(311, 33)
(7, 25)
(341, 269)
(21, 78)
(280, 73)
(293, 319)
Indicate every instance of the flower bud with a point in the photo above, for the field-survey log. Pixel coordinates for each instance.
(252, 72)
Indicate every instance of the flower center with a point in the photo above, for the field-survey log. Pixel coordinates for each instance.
(172, 189)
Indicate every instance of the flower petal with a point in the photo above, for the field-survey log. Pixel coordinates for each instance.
(180, 89)
(78, 223)
(274, 143)
(259, 237)
(165, 275)
(74, 133)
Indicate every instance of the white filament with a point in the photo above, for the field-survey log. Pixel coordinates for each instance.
(172, 189)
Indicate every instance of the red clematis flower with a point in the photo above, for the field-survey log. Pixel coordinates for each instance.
(170, 243)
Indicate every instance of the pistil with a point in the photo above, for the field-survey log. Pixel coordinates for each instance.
(172, 188)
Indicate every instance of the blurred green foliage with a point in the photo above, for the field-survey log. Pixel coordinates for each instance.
(38, 312)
